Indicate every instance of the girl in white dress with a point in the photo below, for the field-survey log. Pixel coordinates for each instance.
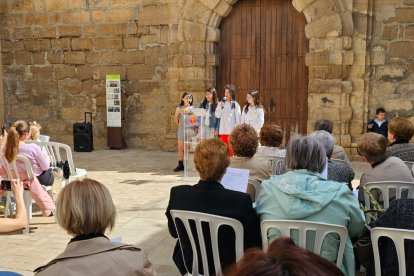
(253, 112)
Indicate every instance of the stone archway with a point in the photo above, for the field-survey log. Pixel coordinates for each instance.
(332, 73)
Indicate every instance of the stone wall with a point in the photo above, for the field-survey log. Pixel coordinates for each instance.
(56, 53)
(392, 58)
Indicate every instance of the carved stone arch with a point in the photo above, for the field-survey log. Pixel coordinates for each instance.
(329, 30)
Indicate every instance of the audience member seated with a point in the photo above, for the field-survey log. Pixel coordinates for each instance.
(271, 138)
(303, 194)
(211, 159)
(399, 215)
(35, 131)
(17, 135)
(372, 147)
(85, 210)
(338, 151)
(244, 142)
(339, 172)
(400, 132)
(283, 258)
(20, 220)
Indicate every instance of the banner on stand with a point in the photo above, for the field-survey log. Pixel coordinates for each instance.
(113, 100)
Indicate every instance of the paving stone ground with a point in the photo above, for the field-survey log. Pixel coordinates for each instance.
(139, 181)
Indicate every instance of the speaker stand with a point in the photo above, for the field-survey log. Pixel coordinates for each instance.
(115, 139)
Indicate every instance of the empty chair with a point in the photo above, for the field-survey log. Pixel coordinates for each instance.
(13, 173)
(398, 236)
(214, 223)
(384, 187)
(320, 230)
(53, 151)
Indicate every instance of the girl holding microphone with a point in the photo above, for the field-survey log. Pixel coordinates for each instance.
(253, 112)
(229, 113)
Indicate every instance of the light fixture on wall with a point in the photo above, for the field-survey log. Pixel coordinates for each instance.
(326, 100)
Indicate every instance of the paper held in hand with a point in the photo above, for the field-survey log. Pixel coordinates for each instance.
(236, 179)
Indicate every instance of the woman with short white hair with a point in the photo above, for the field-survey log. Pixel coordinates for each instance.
(340, 172)
(304, 194)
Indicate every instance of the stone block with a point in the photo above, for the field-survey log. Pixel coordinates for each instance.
(39, 58)
(63, 71)
(300, 5)
(128, 57)
(22, 5)
(213, 34)
(323, 58)
(69, 86)
(84, 72)
(8, 46)
(146, 15)
(99, 16)
(378, 56)
(108, 43)
(356, 127)
(56, 5)
(75, 57)
(403, 15)
(346, 113)
(69, 31)
(330, 26)
(122, 29)
(23, 57)
(327, 72)
(7, 58)
(122, 15)
(191, 31)
(140, 72)
(39, 112)
(223, 9)
(49, 32)
(81, 44)
(22, 33)
(326, 86)
(398, 104)
(112, 70)
(106, 57)
(42, 73)
(55, 57)
(4, 34)
(408, 2)
(390, 32)
(89, 31)
(391, 72)
(318, 112)
(105, 30)
(409, 32)
(131, 42)
(60, 44)
(40, 19)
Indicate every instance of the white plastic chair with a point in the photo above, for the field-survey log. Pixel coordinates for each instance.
(53, 151)
(277, 163)
(256, 184)
(214, 223)
(303, 227)
(13, 173)
(398, 236)
(385, 186)
(409, 164)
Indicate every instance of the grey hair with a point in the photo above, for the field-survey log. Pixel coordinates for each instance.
(304, 152)
(326, 139)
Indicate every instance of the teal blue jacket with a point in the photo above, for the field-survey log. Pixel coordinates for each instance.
(307, 196)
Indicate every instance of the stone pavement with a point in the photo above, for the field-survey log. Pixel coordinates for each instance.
(139, 181)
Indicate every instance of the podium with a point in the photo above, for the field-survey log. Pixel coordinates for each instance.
(194, 133)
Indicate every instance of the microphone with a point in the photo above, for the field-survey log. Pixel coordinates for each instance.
(224, 99)
(223, 102)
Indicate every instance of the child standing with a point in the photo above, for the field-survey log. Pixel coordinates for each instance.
(229, 113)
(253, 112)
(211, 123)
(180, 112)
(379, 124)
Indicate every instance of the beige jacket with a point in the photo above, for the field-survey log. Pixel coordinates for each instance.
(98, 256)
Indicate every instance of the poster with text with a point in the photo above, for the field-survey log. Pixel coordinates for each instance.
(113, 100)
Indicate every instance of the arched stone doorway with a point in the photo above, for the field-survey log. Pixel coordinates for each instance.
(332, 74)
(263, 46)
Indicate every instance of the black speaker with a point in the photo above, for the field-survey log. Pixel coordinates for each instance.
(83, 135)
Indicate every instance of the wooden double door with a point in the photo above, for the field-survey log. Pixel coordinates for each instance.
(263, 47)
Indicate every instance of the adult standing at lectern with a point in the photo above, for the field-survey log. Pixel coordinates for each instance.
(229, 113)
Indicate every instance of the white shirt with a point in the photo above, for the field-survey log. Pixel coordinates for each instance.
(253, 117)
(229, 117)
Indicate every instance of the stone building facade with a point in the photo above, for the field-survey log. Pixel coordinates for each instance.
(56, 53)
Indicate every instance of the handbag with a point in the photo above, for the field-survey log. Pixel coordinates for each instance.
(363, 245)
